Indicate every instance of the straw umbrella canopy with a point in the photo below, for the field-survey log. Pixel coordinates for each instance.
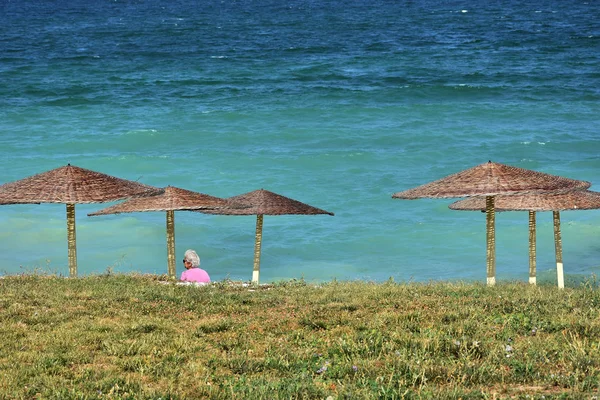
(71, 185)
(577, 200)
(262, 202)
(173, 199)
(489, 180)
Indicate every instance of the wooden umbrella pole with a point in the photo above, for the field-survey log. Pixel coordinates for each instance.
(171, 243)
(532, 248)
(558, 249)
(490, 218)
(71, 240)
(257, 245)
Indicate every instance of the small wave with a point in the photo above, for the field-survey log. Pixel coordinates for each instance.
(141, 132)
(529, 142)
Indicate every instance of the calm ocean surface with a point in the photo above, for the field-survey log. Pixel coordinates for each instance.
(337, 104)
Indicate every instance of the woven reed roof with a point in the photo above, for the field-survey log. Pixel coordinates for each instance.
(71, 185)
(172, 199)
(263, 202)
(491, 179)
(577, 200)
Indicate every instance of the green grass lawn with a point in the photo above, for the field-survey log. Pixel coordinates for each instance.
(137, 337)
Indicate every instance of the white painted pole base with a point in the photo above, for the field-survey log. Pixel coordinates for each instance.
(491, 281)
(560, 276)
(532, 280)
(255, 276)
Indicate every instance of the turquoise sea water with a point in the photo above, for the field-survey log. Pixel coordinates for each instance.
(335, 104)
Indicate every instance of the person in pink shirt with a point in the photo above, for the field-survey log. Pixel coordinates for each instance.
(192, 272)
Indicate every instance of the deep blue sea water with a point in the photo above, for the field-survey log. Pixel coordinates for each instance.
(337, 104)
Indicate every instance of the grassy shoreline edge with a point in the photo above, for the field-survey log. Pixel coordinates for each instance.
(140, 336)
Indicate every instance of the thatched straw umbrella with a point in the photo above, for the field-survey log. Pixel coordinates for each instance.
(492, 179)
(262, 202)
(577, 200)
(71, 185)
(173, 199)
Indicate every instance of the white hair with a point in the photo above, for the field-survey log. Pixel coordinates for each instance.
(191, 256)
